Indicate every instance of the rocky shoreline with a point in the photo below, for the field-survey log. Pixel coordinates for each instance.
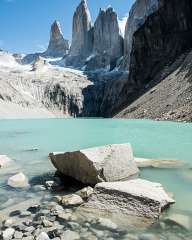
(111, 210)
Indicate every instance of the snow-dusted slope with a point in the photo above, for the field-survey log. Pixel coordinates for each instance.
(40, 89)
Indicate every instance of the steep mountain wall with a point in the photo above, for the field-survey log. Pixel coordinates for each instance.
(165, 36)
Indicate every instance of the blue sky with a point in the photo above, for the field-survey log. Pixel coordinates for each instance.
(25, 24)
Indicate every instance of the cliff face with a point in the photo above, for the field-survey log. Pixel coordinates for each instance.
(58, 46)
(108, 43)
(139, 12)
(165, 35)
(82, 36)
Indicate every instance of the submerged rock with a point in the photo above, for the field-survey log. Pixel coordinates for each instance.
(18, 181)
(90, 166)
(5, 161)
(180, 220)
(71, 200)
(157, 163)
(135, 197)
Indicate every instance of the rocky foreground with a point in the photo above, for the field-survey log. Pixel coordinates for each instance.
(129, 209)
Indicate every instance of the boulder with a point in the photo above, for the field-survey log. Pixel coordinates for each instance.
(18, 181)
(90, 166)
(136, 197)
(5, 161)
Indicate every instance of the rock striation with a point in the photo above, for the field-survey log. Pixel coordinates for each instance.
(160, 65)
(108, 42)
(90, 166)
(58, 46)
(82, 36)
(138, 14)
(134, 197)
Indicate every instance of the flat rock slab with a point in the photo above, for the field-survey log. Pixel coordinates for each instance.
(157, 163)
(134, 197)
(100, 164)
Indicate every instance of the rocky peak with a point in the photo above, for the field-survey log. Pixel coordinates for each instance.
(81, 34)
(107, 38)
(58, 46)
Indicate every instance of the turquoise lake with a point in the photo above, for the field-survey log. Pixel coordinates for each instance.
(149, 139)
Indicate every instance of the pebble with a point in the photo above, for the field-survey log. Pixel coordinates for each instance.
(8, 223)
(18, 235)
(25, 214)
(70, 235)
(43, 236)
(34, 209)
(8, 233)
(72, 200)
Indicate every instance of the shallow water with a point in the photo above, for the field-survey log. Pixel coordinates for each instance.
(150, 139)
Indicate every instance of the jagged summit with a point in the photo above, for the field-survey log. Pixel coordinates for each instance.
(58, 46)
(82, 35)
(108, 42)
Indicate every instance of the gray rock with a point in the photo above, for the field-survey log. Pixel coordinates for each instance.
(107, 163)
(43, 236)
(38, 188)
(8, 233)
(107, 39)
(18, 235)
(106, 224)
(72, 200)
(58, 46)
(135, 197)
(149, 236)
(85, 193)
(25, 214)
(70, 235)
(5, 161)
(8, 222)
(82, 35)
(180, 220)
(18, 181)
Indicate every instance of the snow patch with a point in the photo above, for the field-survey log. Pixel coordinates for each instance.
(122, 23)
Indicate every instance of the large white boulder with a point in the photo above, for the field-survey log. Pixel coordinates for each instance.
(5, 161)
(134, 197)
(90, 166)
(18, 181)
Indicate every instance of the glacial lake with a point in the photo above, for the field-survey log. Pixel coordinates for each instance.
(149, 139)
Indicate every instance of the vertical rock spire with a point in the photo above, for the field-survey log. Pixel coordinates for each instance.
(58, 46)
(82, 36)
(107, 36)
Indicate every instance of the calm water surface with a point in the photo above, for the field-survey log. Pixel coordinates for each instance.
(150, 139)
